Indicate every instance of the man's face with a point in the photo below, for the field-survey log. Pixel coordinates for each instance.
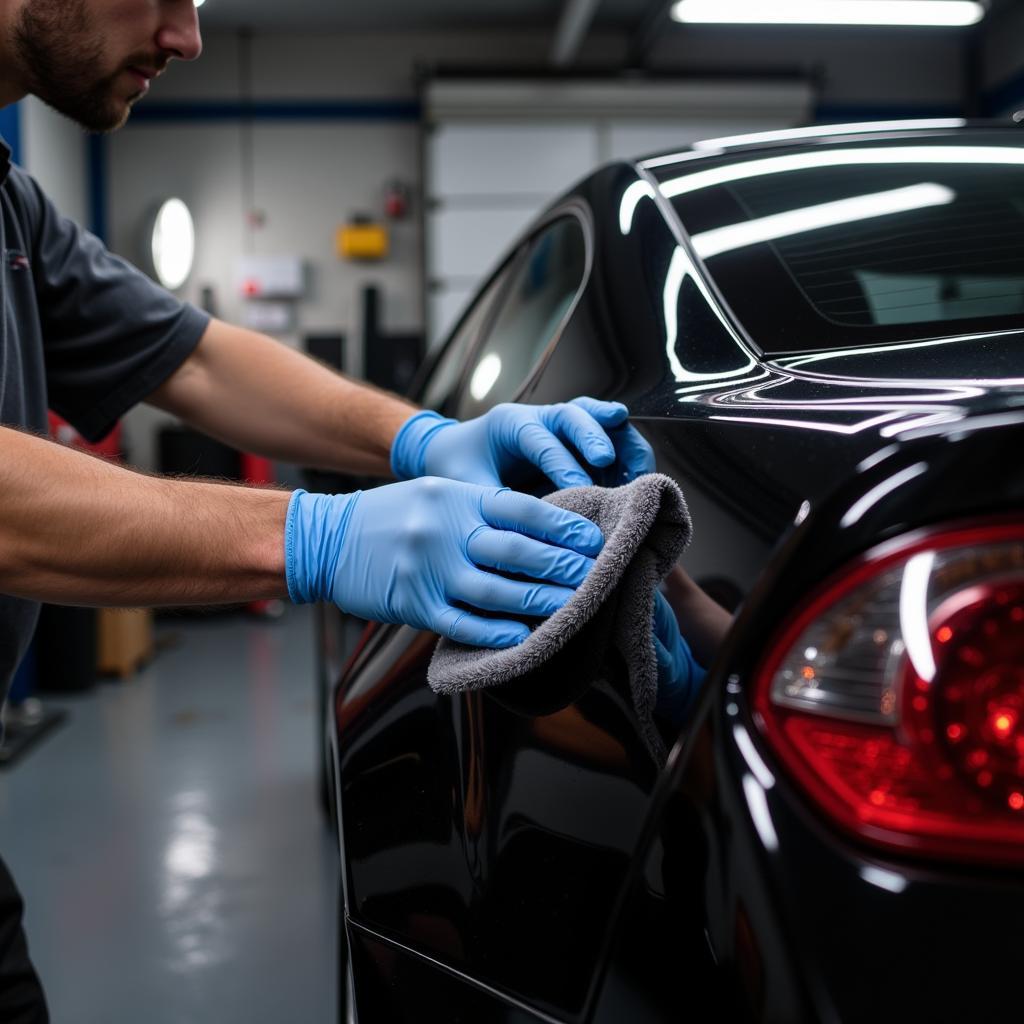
(93, 59)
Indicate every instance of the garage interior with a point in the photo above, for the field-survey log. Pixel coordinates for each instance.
(354, 170)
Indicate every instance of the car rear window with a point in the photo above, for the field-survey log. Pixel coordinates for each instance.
(832, 246)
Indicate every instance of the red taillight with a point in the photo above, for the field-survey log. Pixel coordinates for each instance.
(896, 698)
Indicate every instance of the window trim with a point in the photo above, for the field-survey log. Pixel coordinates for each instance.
(676, 226)
(576, 208)
(430, 365)
(580, 210)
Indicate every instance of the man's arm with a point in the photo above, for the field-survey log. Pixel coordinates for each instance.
(77, 530)
(701, 620)
(261, 396)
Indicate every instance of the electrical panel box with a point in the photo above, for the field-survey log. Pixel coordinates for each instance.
(272, 277)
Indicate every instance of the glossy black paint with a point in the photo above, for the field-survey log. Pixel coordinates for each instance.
(814, 926)
(516, 855)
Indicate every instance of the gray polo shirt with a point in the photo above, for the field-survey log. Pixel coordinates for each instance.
(84, 333)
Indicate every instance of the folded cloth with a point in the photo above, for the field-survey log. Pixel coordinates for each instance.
(646, 526)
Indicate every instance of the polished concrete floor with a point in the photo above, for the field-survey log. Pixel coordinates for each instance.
(168, 842)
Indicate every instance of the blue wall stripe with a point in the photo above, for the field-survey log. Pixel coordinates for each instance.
(10, 129)
(411, 110)
(98, 186)
(299, 110)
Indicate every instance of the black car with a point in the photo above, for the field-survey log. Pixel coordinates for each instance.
(821, 333)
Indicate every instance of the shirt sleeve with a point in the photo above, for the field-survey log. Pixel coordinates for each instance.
(111, 335)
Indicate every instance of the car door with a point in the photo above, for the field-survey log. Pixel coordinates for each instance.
(492, 831)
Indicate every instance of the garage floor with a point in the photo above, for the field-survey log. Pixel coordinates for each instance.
(168, 841)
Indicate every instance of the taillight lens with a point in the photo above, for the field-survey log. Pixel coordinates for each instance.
(896, 698)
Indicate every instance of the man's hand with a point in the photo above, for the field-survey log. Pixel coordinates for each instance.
(419, 553)
(485, 450)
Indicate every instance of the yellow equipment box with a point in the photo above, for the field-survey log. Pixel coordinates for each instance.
(363, 242)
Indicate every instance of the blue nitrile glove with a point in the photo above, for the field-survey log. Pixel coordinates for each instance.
(485, 449)
(413, 552)
(679, 676)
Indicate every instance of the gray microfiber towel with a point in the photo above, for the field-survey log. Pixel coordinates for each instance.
(646, 526)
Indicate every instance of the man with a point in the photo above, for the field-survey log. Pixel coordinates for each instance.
(89, 336)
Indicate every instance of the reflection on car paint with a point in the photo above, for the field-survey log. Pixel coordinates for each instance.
(978, 155)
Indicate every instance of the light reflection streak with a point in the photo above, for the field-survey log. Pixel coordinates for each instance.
(800, 362)
(884, 879)
(914, 614)
(757, 803)
(875, 403)
(892, 414)
(1002, 419)
(877, 457)
(824, 215)
(817, 131)
(190, 852)
(191, 903)
(631, 199)
(485, 377)
(752, 757)
(895, 429)
(681, 267)
(682, 157)
(830, 428)
(694, 390)
(993, 156)
(876, 494)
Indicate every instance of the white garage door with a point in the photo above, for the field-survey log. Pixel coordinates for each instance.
(498, 152)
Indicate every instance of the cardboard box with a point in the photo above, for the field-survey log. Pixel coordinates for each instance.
(124, 640)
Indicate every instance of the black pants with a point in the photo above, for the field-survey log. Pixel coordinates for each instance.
(21, 996)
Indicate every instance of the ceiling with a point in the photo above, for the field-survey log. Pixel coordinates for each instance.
(412, 15)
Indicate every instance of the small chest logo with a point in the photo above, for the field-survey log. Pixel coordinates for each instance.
(16, 260)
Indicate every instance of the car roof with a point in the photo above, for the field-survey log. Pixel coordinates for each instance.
(815, 135)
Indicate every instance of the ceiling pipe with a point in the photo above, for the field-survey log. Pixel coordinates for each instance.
(573, 25)
(650, 29)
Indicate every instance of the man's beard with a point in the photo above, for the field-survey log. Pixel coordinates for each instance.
(59, 56)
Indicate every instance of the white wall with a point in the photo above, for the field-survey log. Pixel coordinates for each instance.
(54, 152)
(308, 177)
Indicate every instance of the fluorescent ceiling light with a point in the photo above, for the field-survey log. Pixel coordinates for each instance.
(199, 3)
(829, 12)
(826, 215)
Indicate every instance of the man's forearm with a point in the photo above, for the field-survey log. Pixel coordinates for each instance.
(701, 620)
(260, 396)
(78, 530)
